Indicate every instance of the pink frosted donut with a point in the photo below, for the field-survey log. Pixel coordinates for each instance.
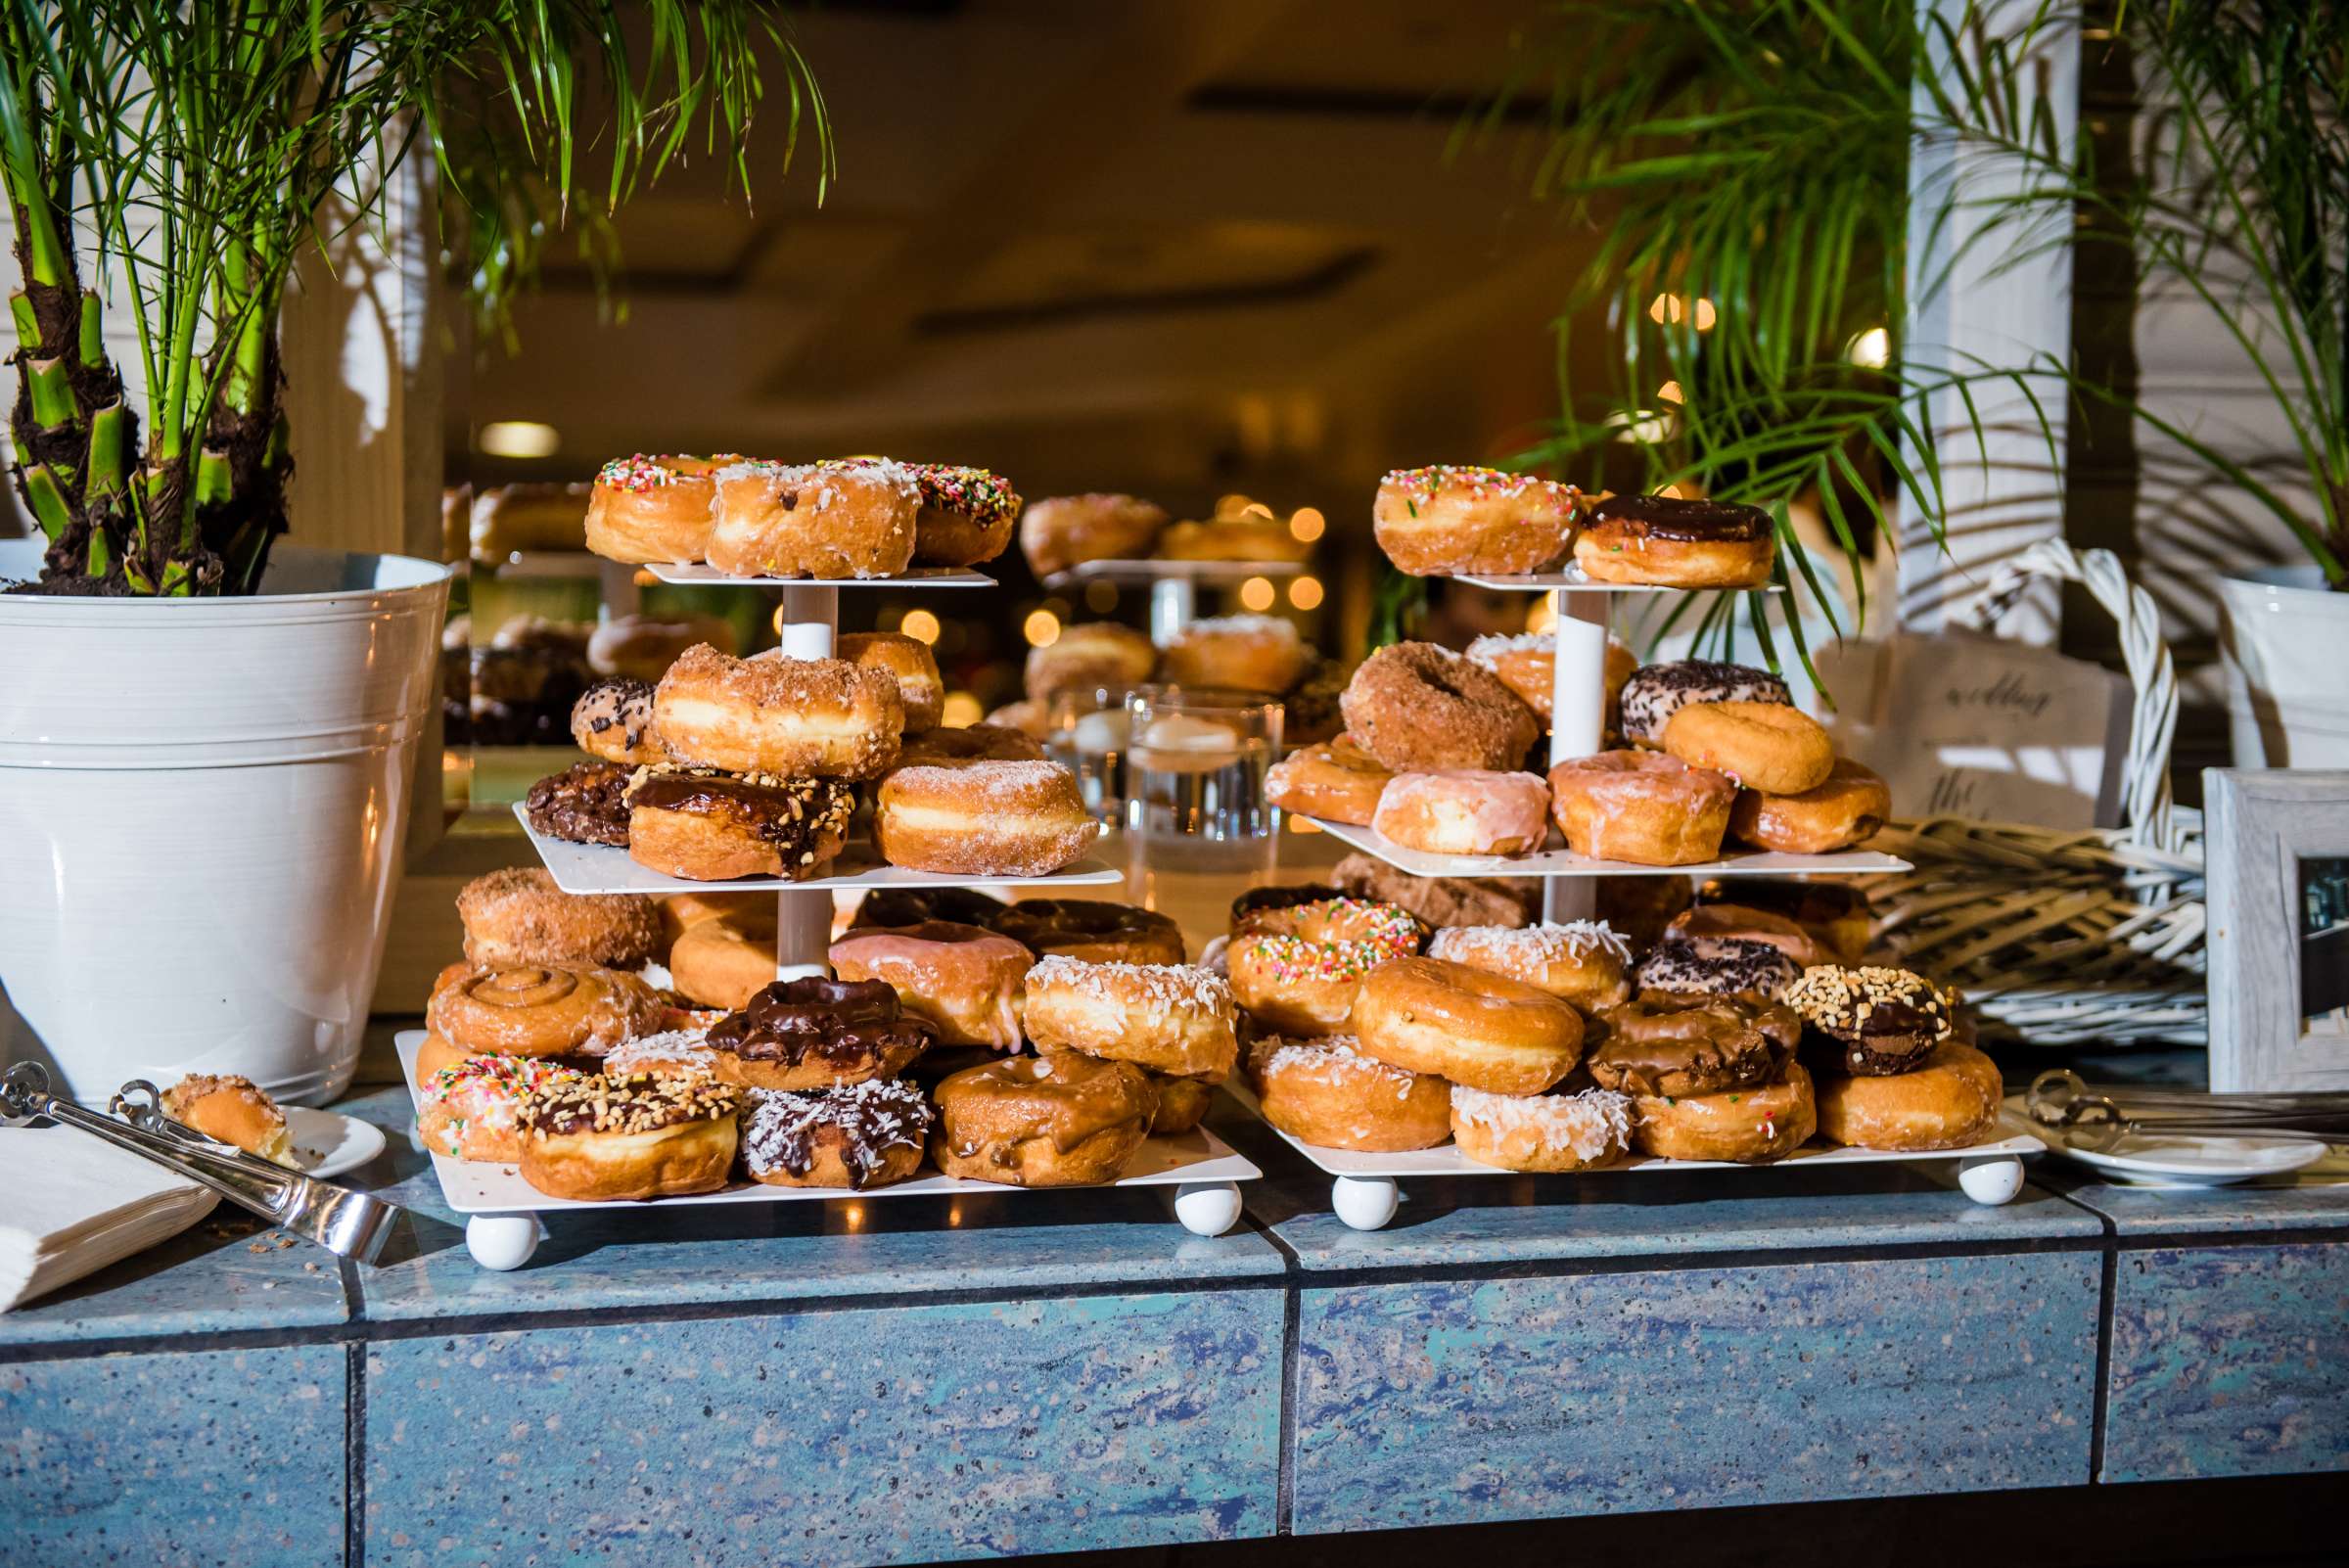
(1465, 810)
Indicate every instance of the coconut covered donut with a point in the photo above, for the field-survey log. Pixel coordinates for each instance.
(1327, 1093)
(1641, 807)
(1296, 969)
(1337, 780)
(1551, 1132)
(1448, 519)
(1484, 1031)
(983, 820)
(644, 509)
(792, 717)
(1062, 530)
(1418, 707)
(1947, 1101)
(1680, 544)
(518, 916)
(1761, 745)
(1236, 653)
(907, 661)
(814, 520)
(1578, 961)
(1462, 811)
(1176, 1019)
(854, 1136)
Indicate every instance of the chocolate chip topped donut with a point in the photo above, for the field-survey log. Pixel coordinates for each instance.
(585, 803)
(1717, 966)
(1677, 1045)
(614, 720)
(1656, 692)
(1882, 1021)
(812, 1032)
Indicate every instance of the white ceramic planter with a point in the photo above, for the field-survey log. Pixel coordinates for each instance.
(201, 806)
(2287, 643)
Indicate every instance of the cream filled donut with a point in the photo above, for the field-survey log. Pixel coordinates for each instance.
(1465, 810)
(908, 662)
(791, 718)
(983, 820)
(814, 520)
(1449, 518)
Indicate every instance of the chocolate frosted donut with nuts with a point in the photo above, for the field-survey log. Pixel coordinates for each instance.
(1880, 1021)
(614, 720)
(812, 1032)
(585, 803)
(1677, 1045)
(711, 826)
(855, 1136)
(1717, 966)
(1656, 692)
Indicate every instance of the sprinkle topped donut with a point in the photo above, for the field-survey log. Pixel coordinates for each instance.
(1297, 969)
(1447, 519)
(965, 514)
(1483, 483)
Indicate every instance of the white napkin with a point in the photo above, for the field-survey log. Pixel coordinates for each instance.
(77, 1203)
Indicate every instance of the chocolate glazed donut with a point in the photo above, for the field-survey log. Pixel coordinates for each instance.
(1675, 1044)
(1699, 522)
(1677, 544)
(807, 1033)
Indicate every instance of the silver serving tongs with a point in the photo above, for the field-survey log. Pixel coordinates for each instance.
(347, 1223)
(2097, 1118)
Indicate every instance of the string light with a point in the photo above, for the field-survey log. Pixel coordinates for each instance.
(1257, 593)
(1306, 593)
(919, 625)
(1041, 628)
(960, 709)
(1307, 524)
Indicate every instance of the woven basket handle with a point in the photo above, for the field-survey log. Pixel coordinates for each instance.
(2153, 720)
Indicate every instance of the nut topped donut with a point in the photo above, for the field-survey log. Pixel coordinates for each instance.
(1678, 1045)
(792, 717)
(806, 1034)
(1674, 544)
(585, 803)
(645, 509)
(1063, 530)
(1176, 1019)
(1656, 692)
(1095, 929)
(1297, 969)
(1067, 1120)
(854, 1136)
(1484, 1031)
(1578, 961)
(983, 820)
(604, 1137)
(1449, 518)
(518, 916)
(1880, 1021)
(1418, 707)
(825, 521)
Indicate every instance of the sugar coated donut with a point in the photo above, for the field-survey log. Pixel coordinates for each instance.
(1762, 746)
(1327, 1093)
(1491, 1033)
(966, 514)
(807, 1034)
(614, 720)
(1336, 779)
(1656, 692)
(1447, 518)
(910, 663)
(971, 743)
(1232, 538)
(643, 509)
(1062, 530)
(814, 520)
(1060, 1121)
(1550, 1132)
(518, 916)
(1641, 807)
(854, 1136)
(1947, 1101)
(965, 981)
(1717, 966)
(1578, 961)
(1176, 1019)
(1464, 811)
(983, 820)
(709, 826)
(1681, 1044)
(468, 1110)
(1676, 543)
(1090, 655)
(1236, 653)
(540, 1009)
(1745, 1125)
(792, 717)
(1297, 969)
(1846, 809)
(605, 1138)
(1416, 707)
(1095, 930)
(1877, 1021)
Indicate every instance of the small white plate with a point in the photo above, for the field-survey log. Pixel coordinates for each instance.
(327, 1143)
(2182, 1160)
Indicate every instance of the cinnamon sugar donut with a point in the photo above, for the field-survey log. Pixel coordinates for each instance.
(1761, 745)
(1578, 961)
(517, 916)
(1552, 1132)
(910, 663)
(983, 820)
(792, 717)
(1326, 1092)
(539, 1010)
(1490, 1033)
(968, 983)
(1337, 780)
(1451, 520)
(1236, 653)
(1462, 811)
(1641, 807)
(1844, 811)
(1416, 707)
(1062, 530)
(1676, 543)
(644, 509)
(814, 520)
(1297, 969)
(1067, 1120)
(1176, 1019)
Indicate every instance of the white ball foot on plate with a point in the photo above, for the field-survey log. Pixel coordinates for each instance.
(1365, 1202)
(1993, 1181)
(503, 1242)
(1208, 1208)
(416, 1139)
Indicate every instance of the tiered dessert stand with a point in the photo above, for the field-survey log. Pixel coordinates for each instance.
(1174, 584)
(502, 1212)
(1362, 1189)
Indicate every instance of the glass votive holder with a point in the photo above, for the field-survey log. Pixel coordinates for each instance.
(1195, 765)
(1087, 736)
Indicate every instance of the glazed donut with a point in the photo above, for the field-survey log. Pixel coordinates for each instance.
(1176, 1019)
(1337, 780)
(1717, 966)
(1437, 901)
(1028, 716)
(1578, 961)
(814, 520)
(910, 907)
(964, 980)
(921, 689)
(1836, 914)
(971, 743)
(855, 1136)
(807, 1033)
(1947, 1101)
(585, 803)
(1182, 1104)
(1677, 545)
(614, 720)
(1728, 920)
(1526, 663)
(1063, 530)
(1656, 692)
(1064, 1121)
(1484, 1031)
(965, 517)
(1761, 745)
(1416, 707)
(1297, 969)
(604, 1138)
(508, 518)
(1095, 929)
(641, 648)
(539, 1010)
(1232, 538)
(1747, 1126)
(792, 717)
(726, 961)
(468, 1110)
(1236, 653)
(1846, 809)
(645, 509)
(983, 820)
(1878, 1021)
(709, 826)
(1464, 811)
(1641, 807)
(1090, 655)
(1327, 1093)
(517, 916)
(1674, 1045)
(1451, 520)
(1552, 1132)
(671, 1053)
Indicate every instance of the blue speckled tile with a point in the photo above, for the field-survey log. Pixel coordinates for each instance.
(839, 1437)
(225, 1272)
(2229, 1360)
(2199, 1210)
(1465, 1402)
(649, 1256)
(227, 1457)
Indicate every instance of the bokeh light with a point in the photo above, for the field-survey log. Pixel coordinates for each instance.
(919, 625)
(1306, 593)
(1256, 594)
(1305, 524)
(1041, 628)
(960, 709)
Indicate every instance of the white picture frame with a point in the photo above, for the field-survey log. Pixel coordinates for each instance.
(2261, 825)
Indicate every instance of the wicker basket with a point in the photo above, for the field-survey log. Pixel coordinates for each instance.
(2063, 938)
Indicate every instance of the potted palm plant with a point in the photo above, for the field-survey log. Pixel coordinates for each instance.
(205, 737)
